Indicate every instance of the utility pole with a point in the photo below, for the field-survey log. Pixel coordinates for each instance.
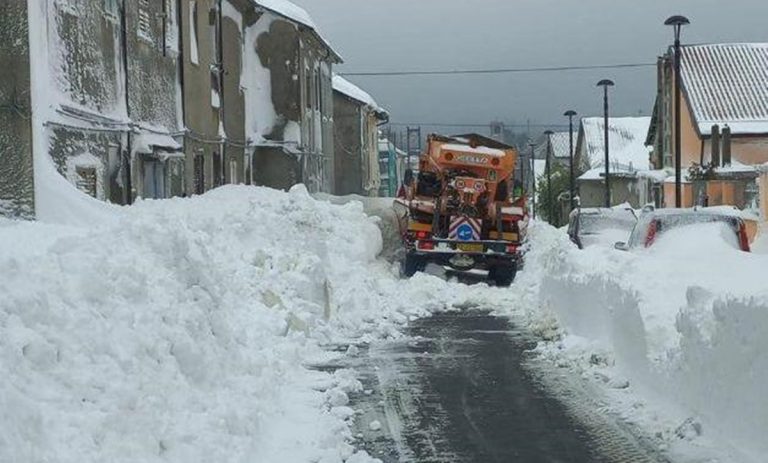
(605, 83)
(533, 178)
(570, 113)
(548, 164)
(677, 22)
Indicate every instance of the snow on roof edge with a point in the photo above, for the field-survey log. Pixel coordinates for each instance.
(293, 12)
(345, 87)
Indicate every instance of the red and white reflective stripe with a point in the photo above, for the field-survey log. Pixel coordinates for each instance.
(457, 222)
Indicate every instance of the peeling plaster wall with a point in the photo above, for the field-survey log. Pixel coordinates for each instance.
(348, 136)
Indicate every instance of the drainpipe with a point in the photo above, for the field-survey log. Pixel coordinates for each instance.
(124, 51)
(220, 71)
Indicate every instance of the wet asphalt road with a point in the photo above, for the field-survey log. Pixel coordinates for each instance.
(460, 391)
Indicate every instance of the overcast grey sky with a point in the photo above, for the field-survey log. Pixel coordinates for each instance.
(385, 35)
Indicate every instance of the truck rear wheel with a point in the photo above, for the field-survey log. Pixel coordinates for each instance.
(503, 275)
(412, 264)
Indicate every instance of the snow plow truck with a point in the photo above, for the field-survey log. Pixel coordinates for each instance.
(458, 212)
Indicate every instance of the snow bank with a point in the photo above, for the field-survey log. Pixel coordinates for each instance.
(686, 320)
(178, 330)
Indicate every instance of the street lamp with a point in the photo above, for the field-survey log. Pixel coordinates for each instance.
(677, 22)
(550, 212)
(533, 178)
(570, 114)
(605, 83)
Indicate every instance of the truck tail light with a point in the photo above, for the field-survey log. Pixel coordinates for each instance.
(511, 249)
(422, 235)
(426, 245)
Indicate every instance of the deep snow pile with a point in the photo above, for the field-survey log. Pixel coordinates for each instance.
(685, 323)
(178, 330)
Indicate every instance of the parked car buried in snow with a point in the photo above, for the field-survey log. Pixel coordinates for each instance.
(653, 224)
(600, 226)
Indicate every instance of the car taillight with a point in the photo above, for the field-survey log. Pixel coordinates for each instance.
(426, 245)
(422, 235)
(743, 239)
(652, 229)
(511, 249)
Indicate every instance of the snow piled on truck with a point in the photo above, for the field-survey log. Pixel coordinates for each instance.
(677, 333)
(180, 330)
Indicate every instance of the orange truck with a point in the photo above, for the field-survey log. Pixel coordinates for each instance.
(458, 212)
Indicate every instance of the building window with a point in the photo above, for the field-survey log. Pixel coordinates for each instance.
(193, 33)
(145, 21)
(87, 180)
(199, 173)
(233, 172)
(112, 9)
(170, 32)
(217, 170)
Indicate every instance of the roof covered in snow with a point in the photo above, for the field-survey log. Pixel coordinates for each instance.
(626, 139)
(351, 90)
(290, 10)
(727, 84)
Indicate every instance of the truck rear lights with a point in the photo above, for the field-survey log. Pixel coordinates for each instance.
(449, 156)
(511, 248)
(426, 245)
(422, 235)
(495, 161)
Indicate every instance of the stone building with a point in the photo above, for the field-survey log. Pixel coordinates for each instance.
(103, 79)
(157, 98)
(357, 118)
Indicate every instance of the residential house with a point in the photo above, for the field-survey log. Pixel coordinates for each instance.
(631, 177)
(290, 114)
(357, 118)
(724, 122)
(93, 91)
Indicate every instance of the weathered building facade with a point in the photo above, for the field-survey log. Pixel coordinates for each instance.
(17, 196)
(159, 98)
(357, 118)
(102, 77)
(292, 131)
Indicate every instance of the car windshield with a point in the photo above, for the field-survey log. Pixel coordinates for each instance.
(613, 220)
(666, 223)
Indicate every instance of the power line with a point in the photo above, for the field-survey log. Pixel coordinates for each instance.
(495, 71)
(486, 125)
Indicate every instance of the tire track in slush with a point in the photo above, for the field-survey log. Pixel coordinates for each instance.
(463, 389)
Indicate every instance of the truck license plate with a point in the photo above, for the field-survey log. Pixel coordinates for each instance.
(467, 247)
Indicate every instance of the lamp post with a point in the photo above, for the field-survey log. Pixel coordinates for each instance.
(677, 22)
(533, 178)
(605, 83)
(570, 114)
(548, 167)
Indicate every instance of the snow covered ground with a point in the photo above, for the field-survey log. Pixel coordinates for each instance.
(180, 330)
(183, 330)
